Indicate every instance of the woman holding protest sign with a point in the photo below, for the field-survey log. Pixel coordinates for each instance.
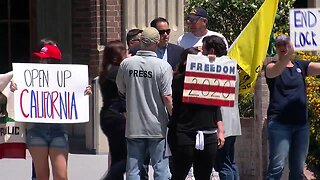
(112, 114)
(195, 131)
(48, 139)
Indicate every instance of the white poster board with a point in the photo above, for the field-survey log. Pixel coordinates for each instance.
(51, 93)
(210, 83)
(305, 29)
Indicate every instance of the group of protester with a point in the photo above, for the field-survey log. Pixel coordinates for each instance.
(150, 85)
(143, 113)
(142, 91)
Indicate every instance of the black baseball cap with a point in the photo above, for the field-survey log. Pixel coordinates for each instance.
(197, 13)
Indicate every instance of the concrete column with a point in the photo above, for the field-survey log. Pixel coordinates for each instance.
(313, 3)
(139, 14)
(95, 139)
(317, 3)
(261, 100)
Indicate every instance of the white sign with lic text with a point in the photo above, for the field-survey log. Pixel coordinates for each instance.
(305, 29)
(51, 93)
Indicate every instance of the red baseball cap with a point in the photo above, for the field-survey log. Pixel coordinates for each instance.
(49, 51)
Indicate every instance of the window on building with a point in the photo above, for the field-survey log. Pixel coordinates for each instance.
(15, 33)
(300, 4)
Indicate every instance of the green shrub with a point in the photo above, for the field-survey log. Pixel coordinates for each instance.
(246, 105)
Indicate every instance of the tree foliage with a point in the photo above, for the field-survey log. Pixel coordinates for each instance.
(230, 17)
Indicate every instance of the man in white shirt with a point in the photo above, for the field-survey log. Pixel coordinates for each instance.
(197, 21)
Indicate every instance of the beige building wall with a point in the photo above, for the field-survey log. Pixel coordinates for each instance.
(139, 14)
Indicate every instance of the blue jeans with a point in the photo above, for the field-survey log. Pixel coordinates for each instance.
(47, 135)
(287, 141)
(137, 150)
(225, 163)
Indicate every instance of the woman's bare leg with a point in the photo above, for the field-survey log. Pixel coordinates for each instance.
(59, 162)
(41, 163)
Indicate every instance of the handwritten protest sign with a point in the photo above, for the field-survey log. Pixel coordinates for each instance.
(12, 133)
(210, 83)
(51, 93)
(305, 29)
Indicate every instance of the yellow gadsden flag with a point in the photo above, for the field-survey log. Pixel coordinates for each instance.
(250, 48)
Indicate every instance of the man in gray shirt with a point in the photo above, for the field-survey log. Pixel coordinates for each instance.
(146, 82)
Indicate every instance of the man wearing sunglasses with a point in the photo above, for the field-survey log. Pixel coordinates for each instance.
(166, 51)
(197, 21)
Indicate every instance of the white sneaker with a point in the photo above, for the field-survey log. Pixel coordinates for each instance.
(214, 175)
(190, 175)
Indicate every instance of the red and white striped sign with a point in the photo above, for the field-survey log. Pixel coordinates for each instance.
(210, 83)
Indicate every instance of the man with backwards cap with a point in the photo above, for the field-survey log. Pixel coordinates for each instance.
(133, 39)
(288, 128)
(146, 82)
(197, 21)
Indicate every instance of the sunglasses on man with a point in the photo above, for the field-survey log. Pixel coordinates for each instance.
(193, 20)
(161, 32)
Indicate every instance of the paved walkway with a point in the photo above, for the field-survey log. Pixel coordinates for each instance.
(81, 167)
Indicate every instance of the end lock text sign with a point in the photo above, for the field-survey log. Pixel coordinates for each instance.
(305, 29)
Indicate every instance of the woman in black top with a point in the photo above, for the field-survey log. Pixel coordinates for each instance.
(112, 119)
(188, 119)
(288, 126)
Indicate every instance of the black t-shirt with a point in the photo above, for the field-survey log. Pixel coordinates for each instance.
(109, 90)
(187, 119)
(288, 100)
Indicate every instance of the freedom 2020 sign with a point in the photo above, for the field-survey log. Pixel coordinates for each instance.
(210, 83)
(51, 93)
(305, 29)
